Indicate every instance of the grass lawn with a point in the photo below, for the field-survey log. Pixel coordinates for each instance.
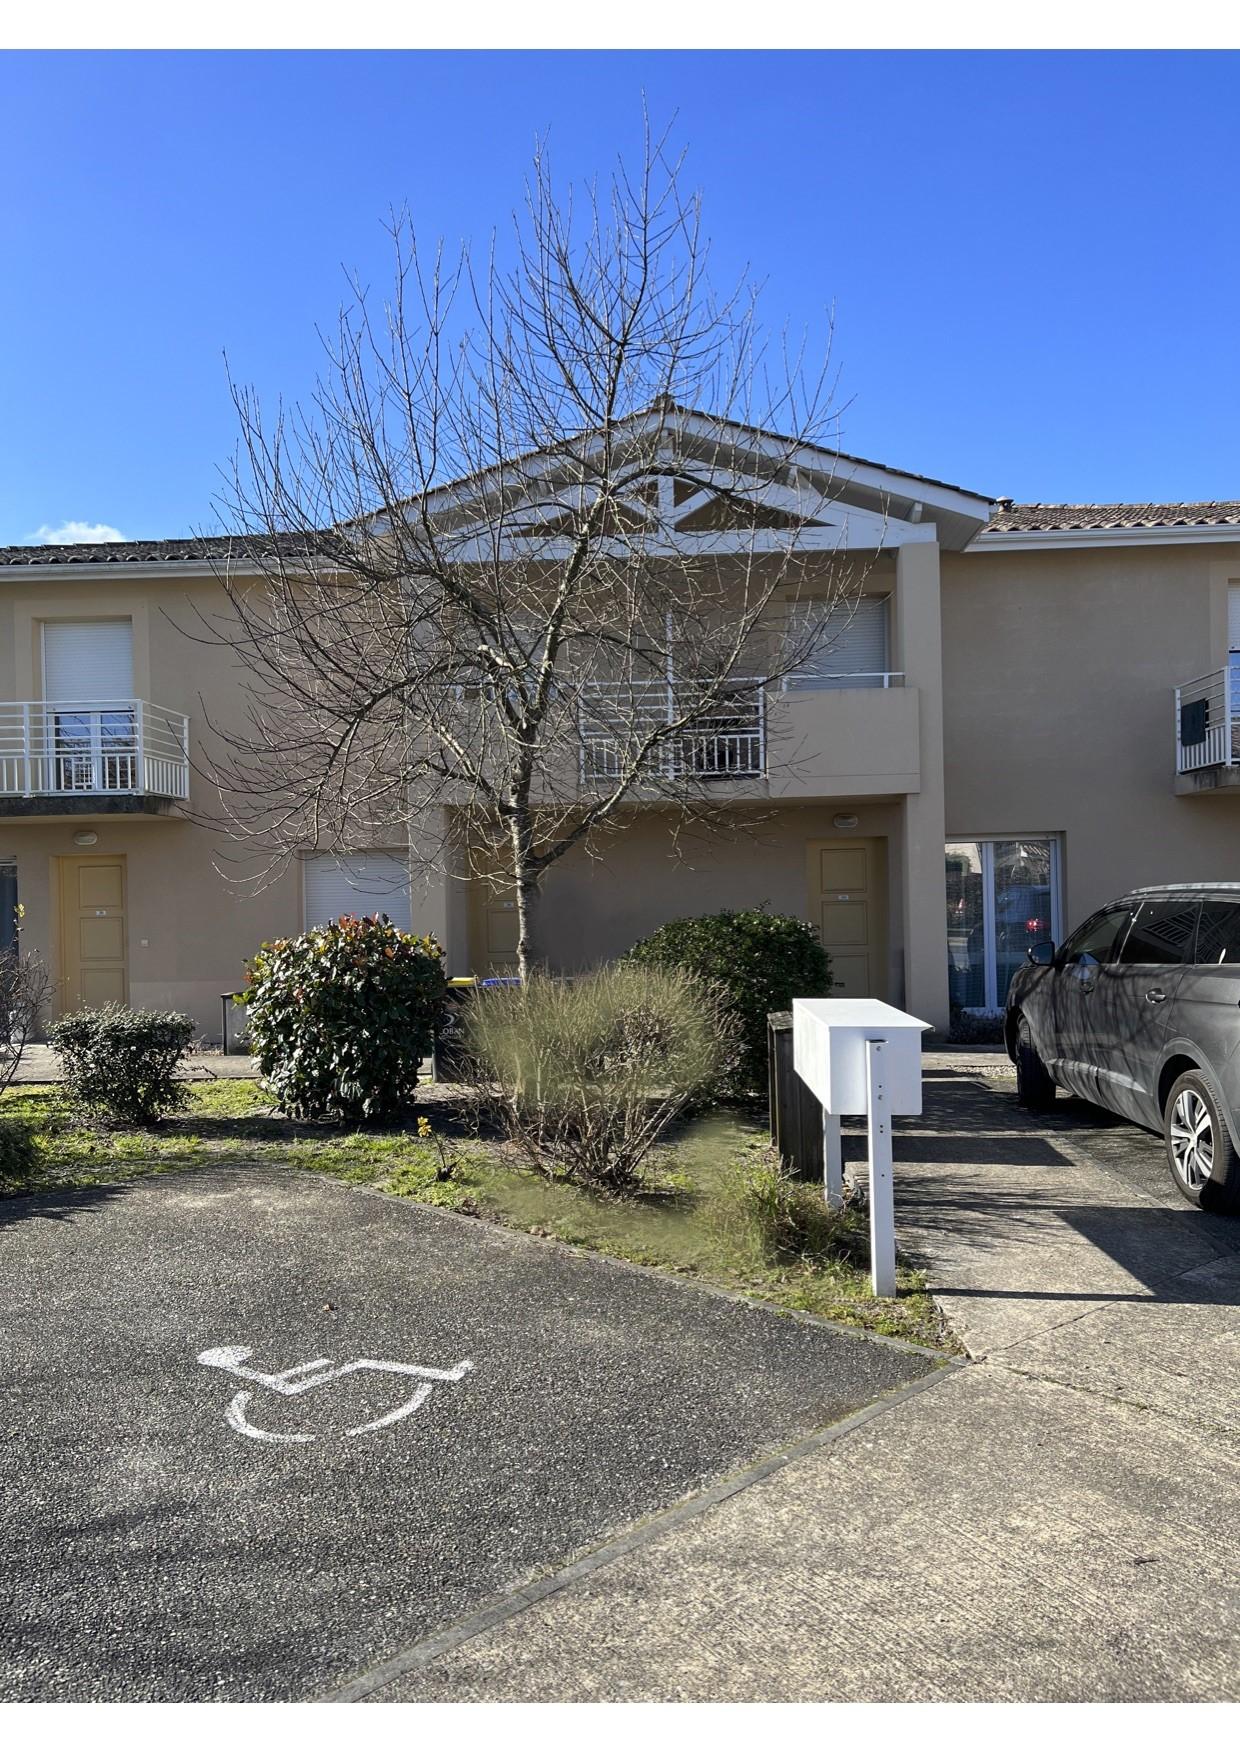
(714, 1206)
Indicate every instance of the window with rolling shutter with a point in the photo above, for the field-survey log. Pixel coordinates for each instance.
(850, 649)
(364, 883)
(87, 661)
(1233, 617)
(88, 678)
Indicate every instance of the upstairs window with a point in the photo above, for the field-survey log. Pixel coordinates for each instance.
(850, 644)
(89, 728)
(87, 662)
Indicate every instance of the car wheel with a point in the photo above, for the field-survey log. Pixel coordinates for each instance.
(1204, 1163)
(1035, 1087)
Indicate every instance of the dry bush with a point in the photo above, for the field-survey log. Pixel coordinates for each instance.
(590, 1073)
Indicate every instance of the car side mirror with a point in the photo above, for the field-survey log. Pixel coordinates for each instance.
(1042, 955)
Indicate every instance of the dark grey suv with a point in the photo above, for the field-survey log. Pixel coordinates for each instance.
(1139, 1011)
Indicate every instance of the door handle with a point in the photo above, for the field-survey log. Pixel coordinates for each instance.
(1156, 995)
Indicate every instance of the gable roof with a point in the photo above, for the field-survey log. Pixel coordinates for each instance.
(887, 492)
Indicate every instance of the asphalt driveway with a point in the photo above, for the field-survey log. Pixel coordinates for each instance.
(263, 1526)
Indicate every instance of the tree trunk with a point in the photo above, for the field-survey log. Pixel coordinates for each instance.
(526, 883)
(527, 908)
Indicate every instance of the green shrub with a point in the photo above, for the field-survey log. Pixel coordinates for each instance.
(759, 961)
(591, 1072)
(20, 1156)
(122, 1063)
(341, 1017)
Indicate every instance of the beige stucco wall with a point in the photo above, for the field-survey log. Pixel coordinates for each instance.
(189, 929)
(1055, 703)
(1058, 677)
(649, 872)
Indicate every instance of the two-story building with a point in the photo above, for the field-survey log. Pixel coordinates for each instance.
(1029, 709)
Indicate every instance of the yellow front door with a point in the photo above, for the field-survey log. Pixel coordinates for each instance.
(93, 945)
(848, 904)
(494, 929)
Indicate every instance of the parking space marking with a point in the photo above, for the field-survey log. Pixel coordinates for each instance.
(300, 1377)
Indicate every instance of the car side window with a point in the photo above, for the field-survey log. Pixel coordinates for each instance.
(1218, 933)
(1095, 941)
(1162, 933)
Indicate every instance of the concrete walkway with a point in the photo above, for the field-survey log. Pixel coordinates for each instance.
(39, 1064)
(1055, 1520)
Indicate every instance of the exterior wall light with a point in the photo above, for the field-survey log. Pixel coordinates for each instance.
(85, 837)
(844, 822)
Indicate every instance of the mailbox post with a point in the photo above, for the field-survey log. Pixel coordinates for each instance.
(860, 1056)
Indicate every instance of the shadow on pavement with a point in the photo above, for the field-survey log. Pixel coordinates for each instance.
(58, 1206)
(985, 1177)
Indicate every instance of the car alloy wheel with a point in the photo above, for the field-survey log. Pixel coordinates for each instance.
(1192, 1140)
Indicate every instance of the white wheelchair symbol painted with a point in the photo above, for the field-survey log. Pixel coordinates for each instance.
(303, 1376)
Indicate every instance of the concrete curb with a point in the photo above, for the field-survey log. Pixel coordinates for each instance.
(509, 1605)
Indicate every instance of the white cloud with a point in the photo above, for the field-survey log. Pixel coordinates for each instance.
(70, 533)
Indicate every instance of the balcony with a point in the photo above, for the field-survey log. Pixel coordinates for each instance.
(101, 756)
(852, 735)
(803, 737)
(725, 741)
(1207, 737)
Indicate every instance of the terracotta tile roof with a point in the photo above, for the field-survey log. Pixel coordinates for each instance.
(151, 553)
(116, 553)
(1033, 518)
(1029, 519)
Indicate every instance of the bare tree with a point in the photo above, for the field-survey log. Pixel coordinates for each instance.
(511, 578)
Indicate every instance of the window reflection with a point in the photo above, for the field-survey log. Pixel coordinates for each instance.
(1000, 900)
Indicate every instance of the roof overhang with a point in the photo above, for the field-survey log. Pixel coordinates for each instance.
(1026, 541)
(43, 572)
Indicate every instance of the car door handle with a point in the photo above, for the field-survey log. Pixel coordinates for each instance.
(1156, 995)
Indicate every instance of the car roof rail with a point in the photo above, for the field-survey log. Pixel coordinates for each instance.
(1188, 889)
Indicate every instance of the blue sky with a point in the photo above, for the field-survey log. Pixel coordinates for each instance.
(1034, 258)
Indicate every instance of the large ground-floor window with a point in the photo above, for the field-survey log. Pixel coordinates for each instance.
(1002, 896)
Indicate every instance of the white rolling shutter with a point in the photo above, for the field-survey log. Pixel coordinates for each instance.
(1233, 617)
(852, 649)
(364, 883)
(87, 662)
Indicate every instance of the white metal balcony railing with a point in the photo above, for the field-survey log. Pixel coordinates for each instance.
(70, 748)
(726, 740)
(1205, 722)
(808, 681)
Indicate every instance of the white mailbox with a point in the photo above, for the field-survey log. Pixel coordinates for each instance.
(860, 1056)
(828, 1051)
